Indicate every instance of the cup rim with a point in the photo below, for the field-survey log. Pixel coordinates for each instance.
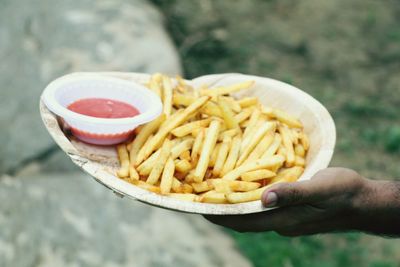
(151, 112)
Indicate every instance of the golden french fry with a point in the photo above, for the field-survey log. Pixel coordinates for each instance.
(145, 132)
(248, 101)
(227, 114)
(176, 185)
(304, 141)
(213, 197)
(282, 151)
(185, 155)
(243, 186)
(295, 136)
(133, 174)
(159, 165)
(182, 86)
(183, 196)
(299, 161)
(202, 186)
(214, 155)
(167, 176)
(147, 165)
(261, 147)
(211, 109)
(271, 150)
(182, 100)
(209, 143)
(232, 104)
(263, 163)
(221, 186)
(299, 150)
(173, 123)
(288, 175)
(197, 145)
(243, 115)
(269, 112)
(148, 187)
(181, 147)
(124, 161)
(228, 134)
(167, 95)
(255, 116)
(183, 165)
(233, 155)
(259, 134)
(287, 143)
(221, 157)
(154, 84)
(223, 90)
(287, 119)
(140, 155)
(257, 175)
(246, 196)
(189, 127)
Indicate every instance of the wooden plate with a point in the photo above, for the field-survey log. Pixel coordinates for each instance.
(101, 162)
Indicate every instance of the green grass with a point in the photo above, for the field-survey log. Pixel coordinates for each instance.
(345, 53)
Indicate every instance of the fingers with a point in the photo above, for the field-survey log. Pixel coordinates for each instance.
(272, 220)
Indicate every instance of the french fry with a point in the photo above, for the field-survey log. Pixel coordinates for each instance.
(146, 131)
(288, 175)
(142, 151)
(299, 150)
(269, 112)
(248, 102)
(243, 115)
(232, 104)
(214, 155)
(185, 155)
(287, 143)
(154, 84)
(271, 150)
(295, 136)
(183, 165)
(304, 141)
(124, 161)
(181, 147)
(182, 100)
(259, 134)
(221, 157)
(299, 161)
(204, 186)
(184, 196)
(257, 175)
(167, 176)
(176, 185)
(197, 145)
(243, 186)
(252, 122)
(223, 90)
(287, 119)
(148, 187)
(147, 165)
(211, 109)
(221, 186)
(263, 163)
(240, 197)
(213, 197)
(159, 165)
(173, 123)
(182, 87)
(167, 95)
(133, 174)
(227, 114)
(228, 133)
(233, 155)
(250, 136)
(208, 145)
(261, 147)
(189, 127)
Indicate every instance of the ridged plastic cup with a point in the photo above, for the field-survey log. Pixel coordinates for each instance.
(60, 93)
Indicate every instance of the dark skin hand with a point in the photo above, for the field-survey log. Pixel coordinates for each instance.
(335, 199)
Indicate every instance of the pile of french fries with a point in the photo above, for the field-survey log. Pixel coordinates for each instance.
(209, 147)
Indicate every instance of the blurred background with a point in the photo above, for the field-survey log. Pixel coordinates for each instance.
(345, 53)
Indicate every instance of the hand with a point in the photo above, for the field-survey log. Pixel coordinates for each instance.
(335, 199)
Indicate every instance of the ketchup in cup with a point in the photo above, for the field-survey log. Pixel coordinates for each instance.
(102, 108)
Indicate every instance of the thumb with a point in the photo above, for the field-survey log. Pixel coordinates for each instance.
(286, 194)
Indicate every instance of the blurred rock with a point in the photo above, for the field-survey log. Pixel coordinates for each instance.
(73, 221)
(41, 40)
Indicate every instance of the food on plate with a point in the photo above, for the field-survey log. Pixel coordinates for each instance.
(210, 146)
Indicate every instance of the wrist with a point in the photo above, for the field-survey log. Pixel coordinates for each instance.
(378, 207)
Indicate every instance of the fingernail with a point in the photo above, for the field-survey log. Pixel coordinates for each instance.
(270, 199)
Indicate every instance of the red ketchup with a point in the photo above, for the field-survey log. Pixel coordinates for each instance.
(102, 108)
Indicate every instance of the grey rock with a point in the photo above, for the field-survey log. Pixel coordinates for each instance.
(73, 221)
(41, 40)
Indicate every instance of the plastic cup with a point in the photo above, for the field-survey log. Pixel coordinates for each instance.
(60, 93)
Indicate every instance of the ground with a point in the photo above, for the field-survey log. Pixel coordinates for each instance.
(344, 53)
